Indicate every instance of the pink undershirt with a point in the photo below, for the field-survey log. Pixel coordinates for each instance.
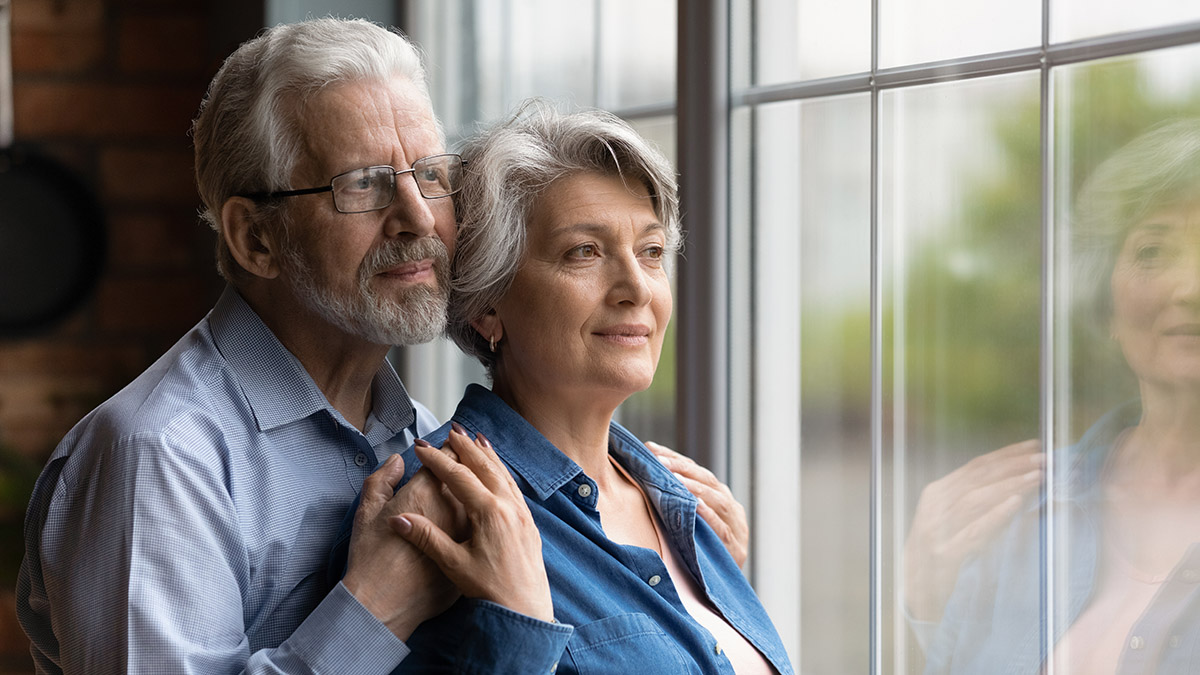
(745, 658)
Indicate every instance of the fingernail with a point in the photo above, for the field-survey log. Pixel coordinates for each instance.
(404, 525)
(458, 427)
(483, 439)
(422, 443)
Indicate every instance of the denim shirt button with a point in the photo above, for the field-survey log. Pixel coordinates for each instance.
(585, 490)
(653, 581)
(717, 649)
(360, 459)
(554, 668)
(1136, 642)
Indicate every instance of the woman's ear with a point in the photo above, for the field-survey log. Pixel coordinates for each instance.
(489, 326)
(247, 239)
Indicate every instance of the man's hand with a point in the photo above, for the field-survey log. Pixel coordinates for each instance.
(378, 559)
(958, 515)
(502, 560)
(717, 506)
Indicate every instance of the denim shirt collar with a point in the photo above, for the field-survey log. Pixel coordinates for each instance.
(542, 465)
(1082, 464)
(276, 385)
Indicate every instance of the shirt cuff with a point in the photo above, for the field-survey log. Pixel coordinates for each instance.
(500, 640)
(342, 636)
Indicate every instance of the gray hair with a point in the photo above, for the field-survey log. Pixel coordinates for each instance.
(248, 135)
(1157, 170)
(508, 168)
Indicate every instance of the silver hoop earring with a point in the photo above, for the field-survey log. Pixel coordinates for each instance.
(492, 343)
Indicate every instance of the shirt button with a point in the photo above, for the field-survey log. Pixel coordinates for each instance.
(1136, 642)
(1190, 576)
(585, 491)
(653, 581)
(554, 668)
(1174, 641)
(360, 459)
(717, 649)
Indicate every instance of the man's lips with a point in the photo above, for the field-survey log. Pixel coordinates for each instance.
(409, 271)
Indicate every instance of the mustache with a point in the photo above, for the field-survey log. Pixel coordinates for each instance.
(394, 252)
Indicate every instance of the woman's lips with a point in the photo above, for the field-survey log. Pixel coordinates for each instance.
(625, 334)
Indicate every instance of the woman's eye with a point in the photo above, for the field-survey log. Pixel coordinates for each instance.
(655, 252)
(1149, 253)
(584, 251)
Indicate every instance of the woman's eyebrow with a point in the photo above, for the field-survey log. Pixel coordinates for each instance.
(598, 228)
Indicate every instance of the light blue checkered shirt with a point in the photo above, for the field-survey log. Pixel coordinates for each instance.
(183, 526)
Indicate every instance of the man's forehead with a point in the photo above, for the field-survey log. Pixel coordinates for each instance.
(361, 121)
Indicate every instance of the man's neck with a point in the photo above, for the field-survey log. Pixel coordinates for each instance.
(342, 366)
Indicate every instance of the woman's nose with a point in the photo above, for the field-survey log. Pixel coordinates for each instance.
(629, 282)
(1187, 276)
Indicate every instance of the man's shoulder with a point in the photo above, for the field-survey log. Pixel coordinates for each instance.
(188, 393)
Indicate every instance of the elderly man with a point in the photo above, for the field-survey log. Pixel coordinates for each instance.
(183, 526)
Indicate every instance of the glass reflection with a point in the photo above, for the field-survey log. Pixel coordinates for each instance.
(1099, 572)
(960, 234)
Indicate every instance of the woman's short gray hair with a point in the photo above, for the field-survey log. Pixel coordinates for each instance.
(1155, 171)
(248, 135)
(509, 166)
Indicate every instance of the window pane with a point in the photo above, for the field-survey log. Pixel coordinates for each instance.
(552, 47)
(960, 239)
(792, 39)
(637, 52)
(916, 31)
(1128, 217)
(812, 393)
(651, 414)
(1077, 19)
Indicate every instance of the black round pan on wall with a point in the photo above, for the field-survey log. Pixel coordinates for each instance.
(52, 241)
(52, 237)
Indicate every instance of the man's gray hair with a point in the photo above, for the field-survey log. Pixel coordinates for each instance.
(248, 134)
(509, 166)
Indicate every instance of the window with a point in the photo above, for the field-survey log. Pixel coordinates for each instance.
(926, 262)
(922, 265)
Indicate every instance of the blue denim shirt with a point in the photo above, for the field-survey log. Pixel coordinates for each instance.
(621, 601)
(994, 621)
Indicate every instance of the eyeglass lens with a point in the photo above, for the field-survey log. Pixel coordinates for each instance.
(375, 187)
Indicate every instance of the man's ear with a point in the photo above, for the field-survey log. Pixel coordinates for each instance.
(248, 240)
(490, 326)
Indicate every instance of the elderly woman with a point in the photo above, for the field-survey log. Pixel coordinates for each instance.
(567, 226)
(1127, 494)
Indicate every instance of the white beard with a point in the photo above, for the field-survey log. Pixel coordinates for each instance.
(418, 316)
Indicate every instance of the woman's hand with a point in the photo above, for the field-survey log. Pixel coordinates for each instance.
(717, 506)
(958, 515)
(501, 561)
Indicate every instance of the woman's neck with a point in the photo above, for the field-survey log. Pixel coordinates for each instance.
(577, 426)
(1161, 455)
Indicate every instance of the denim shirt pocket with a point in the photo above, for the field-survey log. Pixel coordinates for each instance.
(625, 643)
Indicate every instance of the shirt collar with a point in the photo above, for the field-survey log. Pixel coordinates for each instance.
(277, 387)
(1083, 462)
(542, 465)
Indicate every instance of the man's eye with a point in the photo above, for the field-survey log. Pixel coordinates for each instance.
(583, 251)
(655, 252)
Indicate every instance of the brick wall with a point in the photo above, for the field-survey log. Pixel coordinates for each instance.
(109, 88)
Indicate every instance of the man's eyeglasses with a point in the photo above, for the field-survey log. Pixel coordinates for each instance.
(374, 187)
